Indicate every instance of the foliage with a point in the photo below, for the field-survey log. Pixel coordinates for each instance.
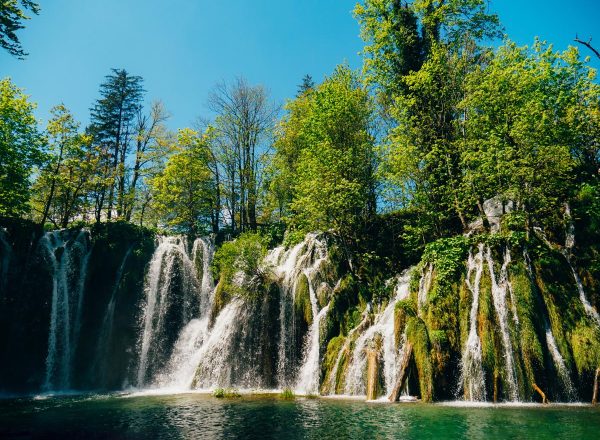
(447, 255)
(68, 173)
(184, 190)
(528, 117)
(327, 143)
(112, 121)
(12, 14)
(20, 148)
(238, 264)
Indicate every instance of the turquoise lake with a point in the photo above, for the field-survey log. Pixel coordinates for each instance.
(186, 416)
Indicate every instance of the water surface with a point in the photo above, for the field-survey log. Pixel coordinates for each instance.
(203, 416)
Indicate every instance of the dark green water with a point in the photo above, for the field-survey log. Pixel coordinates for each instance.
(201, 416)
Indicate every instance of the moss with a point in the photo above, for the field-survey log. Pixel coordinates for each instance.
(585, 341)
(403, 310)
(302, 305)
(417, 335)
(324, 293)
(530, 326)
(331, 356)
(221, 299)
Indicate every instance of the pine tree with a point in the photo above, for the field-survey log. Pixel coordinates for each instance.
(112, 128)
(307, 84)
(11, 18)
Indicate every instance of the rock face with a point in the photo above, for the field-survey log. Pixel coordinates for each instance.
(479, 318)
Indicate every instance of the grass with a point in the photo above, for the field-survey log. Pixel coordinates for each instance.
(287, 394)
(228, 393)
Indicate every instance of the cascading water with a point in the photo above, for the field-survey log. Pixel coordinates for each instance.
(559, 363)
(567, 251)
(472, 378)
(101, 360)
(499, 290)
(68, 256)
(308, 382)
(181, 368)
(557, 358)
(164, 315)
(383, 325)
(304, 259)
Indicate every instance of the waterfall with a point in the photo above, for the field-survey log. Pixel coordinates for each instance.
(383, 325)
(472, 377)
(170, 263)
(332, 379)
(499, 289)
(568, 249)
(181, 368)
(68, 257)
(211, 365)
(557, 358)
(559, 363)
(101, 361)
(304, 259)
(308, 382)
(203, 248)
(5, 253)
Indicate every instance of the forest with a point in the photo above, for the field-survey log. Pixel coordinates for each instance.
(448, 137)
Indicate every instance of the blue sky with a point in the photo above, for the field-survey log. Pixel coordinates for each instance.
(183, 47)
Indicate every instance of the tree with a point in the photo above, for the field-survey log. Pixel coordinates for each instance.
(112, 128)
(532, 127)
(184, 190)
(307, 84)
(20, 148)
(60, 190)
(244, 122)
(393, 47)
(151, 145)
(12, 14)
(328, 138)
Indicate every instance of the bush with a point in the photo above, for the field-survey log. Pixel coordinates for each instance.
(237, 264)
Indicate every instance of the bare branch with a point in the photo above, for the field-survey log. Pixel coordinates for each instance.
(587, 44)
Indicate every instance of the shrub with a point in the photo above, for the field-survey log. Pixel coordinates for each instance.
(238, 264)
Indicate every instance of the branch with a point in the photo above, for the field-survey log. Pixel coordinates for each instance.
(587, 44)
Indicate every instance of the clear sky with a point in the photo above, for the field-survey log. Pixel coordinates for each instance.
(183, 47)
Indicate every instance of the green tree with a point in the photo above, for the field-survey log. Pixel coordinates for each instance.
(61, 188)
(20, 148)
(184, 190)
(333, 183)
(112, 128)
(531, 120)
(12, 14)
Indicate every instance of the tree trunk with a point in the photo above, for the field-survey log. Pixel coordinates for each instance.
(372, 373)
(541, 393)
(595, 393)
(402, 376)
